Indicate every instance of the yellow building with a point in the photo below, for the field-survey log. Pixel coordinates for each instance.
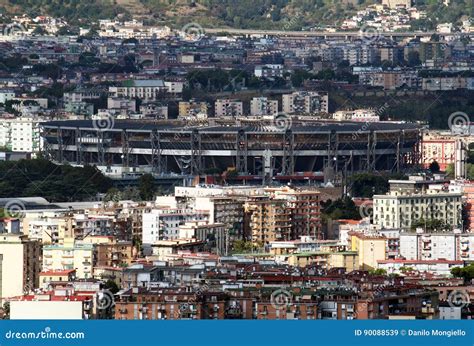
(346, 259)
(192, 109)
(328, 260)
(370, 249)
(19, 265)
(70, 255)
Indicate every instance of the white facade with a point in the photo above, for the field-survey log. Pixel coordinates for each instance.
(46, 310)
(305, 102)
(163, 224)
(396, 210)
(438, 267)
(453, 246)
(263, 106)
(20, 134)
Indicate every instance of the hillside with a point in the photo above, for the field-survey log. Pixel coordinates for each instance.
(258, 14)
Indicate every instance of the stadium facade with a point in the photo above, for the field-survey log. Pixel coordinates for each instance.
(255, 149)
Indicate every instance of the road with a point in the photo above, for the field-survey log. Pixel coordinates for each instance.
(325, 34)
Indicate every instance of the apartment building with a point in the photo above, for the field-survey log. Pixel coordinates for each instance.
(148, 90)
(440, 267)
(228, 210)
(114, 254)
(304, 209)
(402, 208)
(228, 108)
(270, 219)
(305, 102)
(370, 249)
(70, 255)
(261, 106)
(20, 134)
(163, 224)
(438, 147)
(425, 245)
(269, 71)
(215, 235)
(193, 109)
(20, 260)
(47, 227)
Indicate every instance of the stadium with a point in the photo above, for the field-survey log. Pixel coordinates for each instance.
(274, 148)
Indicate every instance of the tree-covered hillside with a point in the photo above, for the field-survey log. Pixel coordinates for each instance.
(274, 14)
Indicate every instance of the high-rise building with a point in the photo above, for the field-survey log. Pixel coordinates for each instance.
(19, 265)
(305, 102)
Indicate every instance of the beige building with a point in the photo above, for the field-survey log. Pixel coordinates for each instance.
(70, 255)
(269, 220)
(19, 265)
(47, 227)
(370, 249)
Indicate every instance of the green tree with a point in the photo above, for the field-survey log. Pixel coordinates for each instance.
(111, 286)
(147, 187)
(467, 273)
(434, 167)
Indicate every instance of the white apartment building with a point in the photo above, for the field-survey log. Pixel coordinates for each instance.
(228, 108)
(263, 106)
(305, 102)
(164, 223)
(438, 267)
(149, 90)
(20, 134)
(269, 71)
(453, 246)
(399, 209)
(6, 95)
